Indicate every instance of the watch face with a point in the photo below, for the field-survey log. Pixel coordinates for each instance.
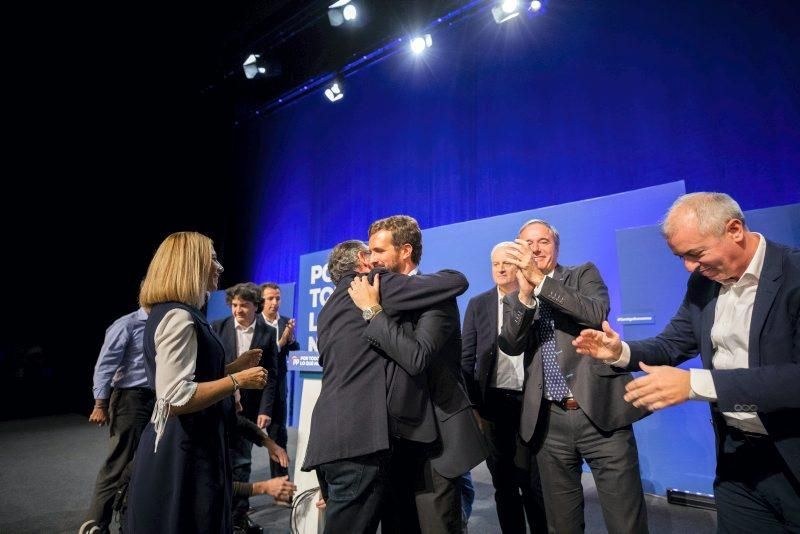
(367, 314)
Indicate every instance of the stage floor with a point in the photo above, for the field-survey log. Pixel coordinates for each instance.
(48, 466)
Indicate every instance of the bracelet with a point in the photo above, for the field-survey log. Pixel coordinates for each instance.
(235, 382)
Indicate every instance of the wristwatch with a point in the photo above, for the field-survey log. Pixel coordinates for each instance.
(371, 312)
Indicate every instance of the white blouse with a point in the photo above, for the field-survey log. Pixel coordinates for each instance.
(176, 358)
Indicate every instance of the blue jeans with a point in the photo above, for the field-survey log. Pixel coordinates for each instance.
(354, 491)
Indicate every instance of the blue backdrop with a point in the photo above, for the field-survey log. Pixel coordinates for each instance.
(587, 99)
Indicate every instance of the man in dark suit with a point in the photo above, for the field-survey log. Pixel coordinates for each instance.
(494, 382)
(571, 409)
(436, 437)
(741, 312)
(284, 332)
(246, 330)
(348, 442)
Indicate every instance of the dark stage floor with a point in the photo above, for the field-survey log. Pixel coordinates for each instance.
(48, 466)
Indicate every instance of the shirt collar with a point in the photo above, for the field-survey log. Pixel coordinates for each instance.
(273, 324)
(245, 329)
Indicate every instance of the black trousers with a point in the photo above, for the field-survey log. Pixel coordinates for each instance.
(280, 436)
(420, 500)
(754, 489)
(354, 490)
(517, 490)
(129, 410)
(563, 439)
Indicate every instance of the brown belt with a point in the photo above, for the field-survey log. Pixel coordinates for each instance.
(567, 404)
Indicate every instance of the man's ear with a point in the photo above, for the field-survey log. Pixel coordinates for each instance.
(405, 251)
(363, 260)
(735, 230)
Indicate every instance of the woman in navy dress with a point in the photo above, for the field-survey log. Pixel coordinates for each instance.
(181, 480)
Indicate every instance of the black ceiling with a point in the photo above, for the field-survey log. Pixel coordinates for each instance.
(298, 35)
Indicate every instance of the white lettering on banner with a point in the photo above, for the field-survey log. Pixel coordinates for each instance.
(320, 271)
(312, 344)
(312, 326)
(319, 295)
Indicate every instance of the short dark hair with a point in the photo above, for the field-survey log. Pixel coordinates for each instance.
(344, 258)
(405, 230)
(246, 291)
(270, 285)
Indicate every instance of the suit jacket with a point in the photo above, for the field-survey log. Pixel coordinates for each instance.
(279, 406)
(427, 397)
(772, 380)
(350, 418)
(479, 346)
(579, 299)
(254, 401)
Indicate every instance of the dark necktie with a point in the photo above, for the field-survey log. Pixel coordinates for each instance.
(554, 383)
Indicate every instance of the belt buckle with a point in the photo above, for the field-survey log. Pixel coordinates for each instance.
(569, 403)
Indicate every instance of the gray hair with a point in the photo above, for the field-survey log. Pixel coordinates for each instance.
(546, 224)
(344, 258)
(712, 211)
(499, 245)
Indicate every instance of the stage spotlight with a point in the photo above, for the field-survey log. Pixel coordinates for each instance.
(341, 12)
(334, 92)
(255, 65)
(535, 6)
(505, 10)
(420, 43)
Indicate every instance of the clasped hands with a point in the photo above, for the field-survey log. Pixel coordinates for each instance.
(528, 273)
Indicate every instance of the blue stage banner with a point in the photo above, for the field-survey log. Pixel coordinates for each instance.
(315, 287)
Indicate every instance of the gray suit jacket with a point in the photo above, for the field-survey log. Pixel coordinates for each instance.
(579, 299)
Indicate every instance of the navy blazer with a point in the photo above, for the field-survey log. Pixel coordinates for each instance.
(479, 345)
(772, 381)
(254, 401)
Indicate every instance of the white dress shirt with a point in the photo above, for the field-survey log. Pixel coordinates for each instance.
(509, 372)
(244, 337)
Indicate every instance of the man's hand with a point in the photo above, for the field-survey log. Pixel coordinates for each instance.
(520, 254)
(364, 294)
(276, 452)
(288, 334)
(279, 487)
(246, 360)
(478, 419)
(525, 289)
(321, 504)
(99, 415)
(661, 387)
(263, 420)
(604, 346)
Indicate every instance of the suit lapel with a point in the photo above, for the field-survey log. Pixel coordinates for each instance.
(229, 339)
(707, 321)
(568, 359)
(258, 332)
(491, 309)
(768, 285)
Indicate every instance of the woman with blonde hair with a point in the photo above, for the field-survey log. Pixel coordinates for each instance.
(181, 478)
